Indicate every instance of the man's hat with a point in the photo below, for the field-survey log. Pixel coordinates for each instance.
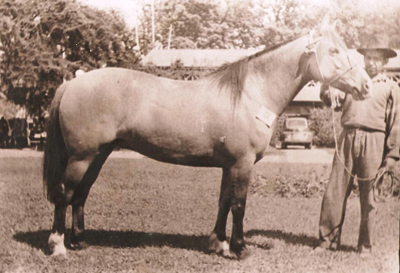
(379, 45)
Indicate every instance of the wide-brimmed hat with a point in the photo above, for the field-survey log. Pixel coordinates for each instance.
(377, 44)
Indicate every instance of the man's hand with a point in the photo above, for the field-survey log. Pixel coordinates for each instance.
(337, 97)
(389, 164)
(332, 97)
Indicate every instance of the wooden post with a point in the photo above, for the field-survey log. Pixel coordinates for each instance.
(169, 37)
(137, 35)
(153, 39)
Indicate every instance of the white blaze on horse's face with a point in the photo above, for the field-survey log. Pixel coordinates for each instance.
(337, 68)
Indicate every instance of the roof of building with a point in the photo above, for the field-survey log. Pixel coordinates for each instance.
(196, 57)
(309, 93)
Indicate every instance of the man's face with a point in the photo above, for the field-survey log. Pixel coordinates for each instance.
(374, 61)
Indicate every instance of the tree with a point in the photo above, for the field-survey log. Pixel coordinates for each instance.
(252, 23)
(44, 42)
(226, 23)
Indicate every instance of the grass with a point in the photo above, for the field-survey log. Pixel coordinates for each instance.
(145, 216)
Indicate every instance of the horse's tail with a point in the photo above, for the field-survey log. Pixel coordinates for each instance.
(55, 154)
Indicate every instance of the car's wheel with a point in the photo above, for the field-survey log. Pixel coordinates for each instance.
(308, 146)
(283, 146)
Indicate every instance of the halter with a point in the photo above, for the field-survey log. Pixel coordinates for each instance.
(311, 49)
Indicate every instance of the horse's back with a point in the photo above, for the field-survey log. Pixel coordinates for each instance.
(119, 104)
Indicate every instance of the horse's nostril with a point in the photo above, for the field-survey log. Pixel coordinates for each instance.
(366, 86)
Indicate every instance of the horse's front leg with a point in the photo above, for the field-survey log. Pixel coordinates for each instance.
(81, 194)
(241, 175)
(218, 242)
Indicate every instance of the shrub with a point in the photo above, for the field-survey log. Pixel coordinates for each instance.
(278, 130)
(301, 181)
(321, 125)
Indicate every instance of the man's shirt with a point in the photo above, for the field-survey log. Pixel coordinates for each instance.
(378, 113)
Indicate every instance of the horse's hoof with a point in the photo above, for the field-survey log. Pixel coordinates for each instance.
(58, 251)
(78, 245)
(59, 255)
(217, 246)
(56, 245)
(244, 254)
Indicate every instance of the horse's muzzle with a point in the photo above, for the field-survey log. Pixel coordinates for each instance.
(365, 92)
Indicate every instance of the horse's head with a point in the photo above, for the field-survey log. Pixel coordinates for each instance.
(332, 65)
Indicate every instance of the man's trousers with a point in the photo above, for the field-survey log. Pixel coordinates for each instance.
(360, 153)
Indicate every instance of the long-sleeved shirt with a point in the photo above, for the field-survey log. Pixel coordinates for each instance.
(381, 112)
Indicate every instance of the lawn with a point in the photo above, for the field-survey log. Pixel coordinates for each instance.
(145, 216)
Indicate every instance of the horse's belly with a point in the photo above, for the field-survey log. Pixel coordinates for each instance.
(176, 150)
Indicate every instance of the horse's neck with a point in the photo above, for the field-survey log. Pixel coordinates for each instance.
(277, 79)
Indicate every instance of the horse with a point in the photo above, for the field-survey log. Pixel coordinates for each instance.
(223, 120)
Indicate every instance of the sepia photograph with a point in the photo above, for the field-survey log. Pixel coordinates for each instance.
(217, 136)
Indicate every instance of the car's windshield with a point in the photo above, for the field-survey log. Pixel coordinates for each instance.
(296, 123)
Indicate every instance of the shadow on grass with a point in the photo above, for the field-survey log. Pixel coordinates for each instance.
(36, 239)
(132, 239)
(121, 239)
(294, 239)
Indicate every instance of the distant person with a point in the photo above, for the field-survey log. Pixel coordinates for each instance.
(3, 132)
(370, 140)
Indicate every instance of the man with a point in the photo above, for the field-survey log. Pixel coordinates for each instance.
(370, 140)
(3, 132)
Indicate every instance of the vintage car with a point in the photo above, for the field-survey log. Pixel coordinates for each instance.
(296, 132)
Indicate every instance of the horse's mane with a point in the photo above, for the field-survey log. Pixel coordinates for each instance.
(232, 75)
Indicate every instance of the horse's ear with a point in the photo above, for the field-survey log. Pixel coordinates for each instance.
(324, 25)
(334, 25)
(326, 21)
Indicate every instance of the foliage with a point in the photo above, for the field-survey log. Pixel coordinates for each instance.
(308, 181)
(278, 130)
(226, 24)
(322, 126)
(252, 23)
(299, 182)
(44, 42)
(359, 20)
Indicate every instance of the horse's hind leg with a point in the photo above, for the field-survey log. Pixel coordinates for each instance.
(80, 196)
(56, 239)
(71, 178)
(217, 241)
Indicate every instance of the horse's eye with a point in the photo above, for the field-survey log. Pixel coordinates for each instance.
(333, 51)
